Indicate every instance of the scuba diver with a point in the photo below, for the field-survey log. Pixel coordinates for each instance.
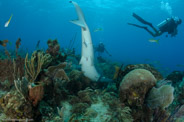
(101, 49)
(169, 25)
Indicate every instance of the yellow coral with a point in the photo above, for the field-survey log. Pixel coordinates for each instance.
(32, 67)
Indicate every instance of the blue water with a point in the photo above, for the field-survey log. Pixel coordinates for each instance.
(35, 20)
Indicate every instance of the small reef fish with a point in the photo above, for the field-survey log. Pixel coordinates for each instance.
(153, 40)
(8, 22)
(117, 69)
(98, 29)
(3, 43)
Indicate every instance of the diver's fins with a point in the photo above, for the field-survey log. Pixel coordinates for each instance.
(137, 25)
(141, 19)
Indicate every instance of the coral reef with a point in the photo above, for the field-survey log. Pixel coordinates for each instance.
(33, 66)
(17, 44)
(107, 69)
(135, 85)
(6, 70)
(9, 70)
(133, 90)
(53, 47)
(53, 50)
(175, 77)
(131, 67)
(15, 106)
(96, 105)
(161, 97)
(49, 86)
(36, 94)
(77, 82)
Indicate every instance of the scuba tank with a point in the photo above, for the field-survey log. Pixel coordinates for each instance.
(163, 25)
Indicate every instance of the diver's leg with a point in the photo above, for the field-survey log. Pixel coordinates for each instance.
(150, 32)
(156, 31)
(153, 34)
(137, 25)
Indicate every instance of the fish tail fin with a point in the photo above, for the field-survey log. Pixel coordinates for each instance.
(81, 20)
(10, 18)
(157, 41)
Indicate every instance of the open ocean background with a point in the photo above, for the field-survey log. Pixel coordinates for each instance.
(35, 20)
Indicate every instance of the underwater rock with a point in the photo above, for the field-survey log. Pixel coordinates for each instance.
(175, 77)
(160, 97)
(135, 85)
(15, 106)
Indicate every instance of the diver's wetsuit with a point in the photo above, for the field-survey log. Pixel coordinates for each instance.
(101, 48)
(170, 26)
(167, 25)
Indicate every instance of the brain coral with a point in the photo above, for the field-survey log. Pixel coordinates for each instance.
(135, 85)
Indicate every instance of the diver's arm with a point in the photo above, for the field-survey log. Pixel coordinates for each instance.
(174, 33)
(108, 52)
